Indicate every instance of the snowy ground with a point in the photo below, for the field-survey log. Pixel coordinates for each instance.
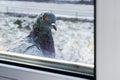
(74, 40)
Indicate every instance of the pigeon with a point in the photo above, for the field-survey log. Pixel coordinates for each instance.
(39, 42)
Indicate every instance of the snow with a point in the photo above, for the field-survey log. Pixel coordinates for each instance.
(74, 40)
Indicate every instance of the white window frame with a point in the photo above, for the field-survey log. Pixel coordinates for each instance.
(52, 66)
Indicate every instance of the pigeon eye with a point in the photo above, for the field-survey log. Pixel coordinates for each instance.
(46, 18)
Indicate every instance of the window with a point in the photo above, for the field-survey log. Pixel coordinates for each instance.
(32, 35)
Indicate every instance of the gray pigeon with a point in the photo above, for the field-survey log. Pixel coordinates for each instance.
(40, 41)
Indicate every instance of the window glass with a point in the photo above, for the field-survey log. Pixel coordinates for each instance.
(58, 29)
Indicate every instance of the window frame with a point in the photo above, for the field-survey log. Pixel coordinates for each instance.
(28, 61)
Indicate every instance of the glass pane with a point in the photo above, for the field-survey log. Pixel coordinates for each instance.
(55, 29)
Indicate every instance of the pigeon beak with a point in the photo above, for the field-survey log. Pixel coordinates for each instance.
(54, 26)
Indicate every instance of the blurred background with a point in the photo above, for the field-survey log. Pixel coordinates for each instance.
(90, 2)
(74, 39)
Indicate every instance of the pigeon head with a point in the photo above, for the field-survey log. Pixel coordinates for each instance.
(47, 21)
